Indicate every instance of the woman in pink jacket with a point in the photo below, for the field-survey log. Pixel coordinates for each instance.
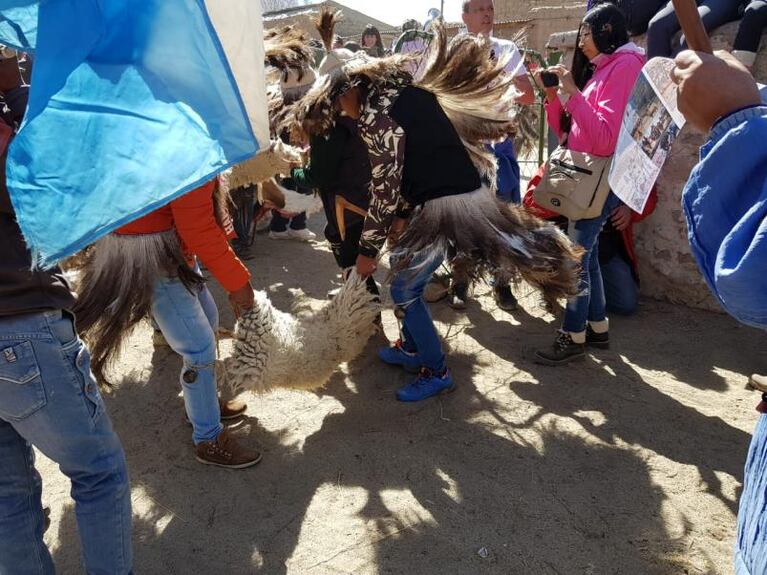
(585, 111)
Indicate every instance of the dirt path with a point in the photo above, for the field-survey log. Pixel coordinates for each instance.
(628, 463)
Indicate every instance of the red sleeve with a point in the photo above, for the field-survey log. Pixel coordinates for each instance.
(529, 202)
(198, 229)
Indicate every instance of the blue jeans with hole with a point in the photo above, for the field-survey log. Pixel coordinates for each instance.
(189, 322)
(50, 400)
(418, 332)
(589, 304)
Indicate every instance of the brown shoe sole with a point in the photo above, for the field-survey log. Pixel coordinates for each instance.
(539, 359)
(227, 466)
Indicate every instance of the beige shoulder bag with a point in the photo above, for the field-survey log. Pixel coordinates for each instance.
(574, 184)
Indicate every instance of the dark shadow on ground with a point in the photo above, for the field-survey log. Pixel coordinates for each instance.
(558, 504)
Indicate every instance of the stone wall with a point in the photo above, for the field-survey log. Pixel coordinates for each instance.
(666, 264)
(537, 20)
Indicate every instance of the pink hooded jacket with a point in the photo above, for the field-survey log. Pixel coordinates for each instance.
(597, 111)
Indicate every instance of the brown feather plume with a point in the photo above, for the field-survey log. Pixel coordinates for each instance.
(287, 48)
(326, 24)
(315, 113)
(474, 91)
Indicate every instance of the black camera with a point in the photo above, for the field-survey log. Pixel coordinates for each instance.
(549, 79)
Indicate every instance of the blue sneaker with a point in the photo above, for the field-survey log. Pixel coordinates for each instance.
(396, 355)
(426, 385)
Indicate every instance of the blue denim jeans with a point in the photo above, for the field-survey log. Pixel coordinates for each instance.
(751, 543)
(189, 322)
(589, 305)
(621, 289)
(49, 399)
(418, 332)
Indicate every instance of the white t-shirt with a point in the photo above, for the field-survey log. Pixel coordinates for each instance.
(502, 48)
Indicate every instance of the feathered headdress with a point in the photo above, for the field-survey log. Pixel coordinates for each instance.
(473, 89)
(315, 113)
(287, 50)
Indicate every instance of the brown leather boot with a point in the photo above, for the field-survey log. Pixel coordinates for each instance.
(225, 451)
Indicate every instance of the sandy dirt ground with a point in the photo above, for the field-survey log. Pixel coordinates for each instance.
(630, 462)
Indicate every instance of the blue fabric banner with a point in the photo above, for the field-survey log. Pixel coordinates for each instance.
(132, 103)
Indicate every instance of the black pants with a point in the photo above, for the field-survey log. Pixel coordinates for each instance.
(664, 25)
(345, 250)
(750, 29)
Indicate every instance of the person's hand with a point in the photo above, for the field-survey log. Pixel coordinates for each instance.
(550, 91)
(242, 299)
(366, 266)
(566, 81)
(712, 86)
(398, 226)
(621, 217)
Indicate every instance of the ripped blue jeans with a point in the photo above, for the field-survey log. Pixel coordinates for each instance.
(418, 332)
(189, 322)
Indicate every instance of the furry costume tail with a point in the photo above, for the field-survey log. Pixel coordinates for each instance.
(287, 48)
(273, 194)
(116, 285)
(279, 158)
(493, 236)
(275, 349)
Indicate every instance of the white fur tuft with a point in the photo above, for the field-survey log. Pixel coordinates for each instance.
(275, 349)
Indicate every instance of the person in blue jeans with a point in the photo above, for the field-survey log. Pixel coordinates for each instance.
(587, 312)
(726, 215)
(620, 285)
(155, 258)
(50, 400)
(426, 189)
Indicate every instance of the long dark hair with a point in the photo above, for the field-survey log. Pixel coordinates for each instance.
(607, 25)
(371, 30)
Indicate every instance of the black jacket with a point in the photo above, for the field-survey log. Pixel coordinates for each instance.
(436, 161)
(22, 290)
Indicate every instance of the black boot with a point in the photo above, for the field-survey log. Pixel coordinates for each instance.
(598, 340)
(564, 350)
(504, 298)
(459, 293)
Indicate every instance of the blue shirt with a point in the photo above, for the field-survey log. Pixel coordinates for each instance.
(725, 203)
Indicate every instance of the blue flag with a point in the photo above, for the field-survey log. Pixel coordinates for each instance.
(132, 103)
